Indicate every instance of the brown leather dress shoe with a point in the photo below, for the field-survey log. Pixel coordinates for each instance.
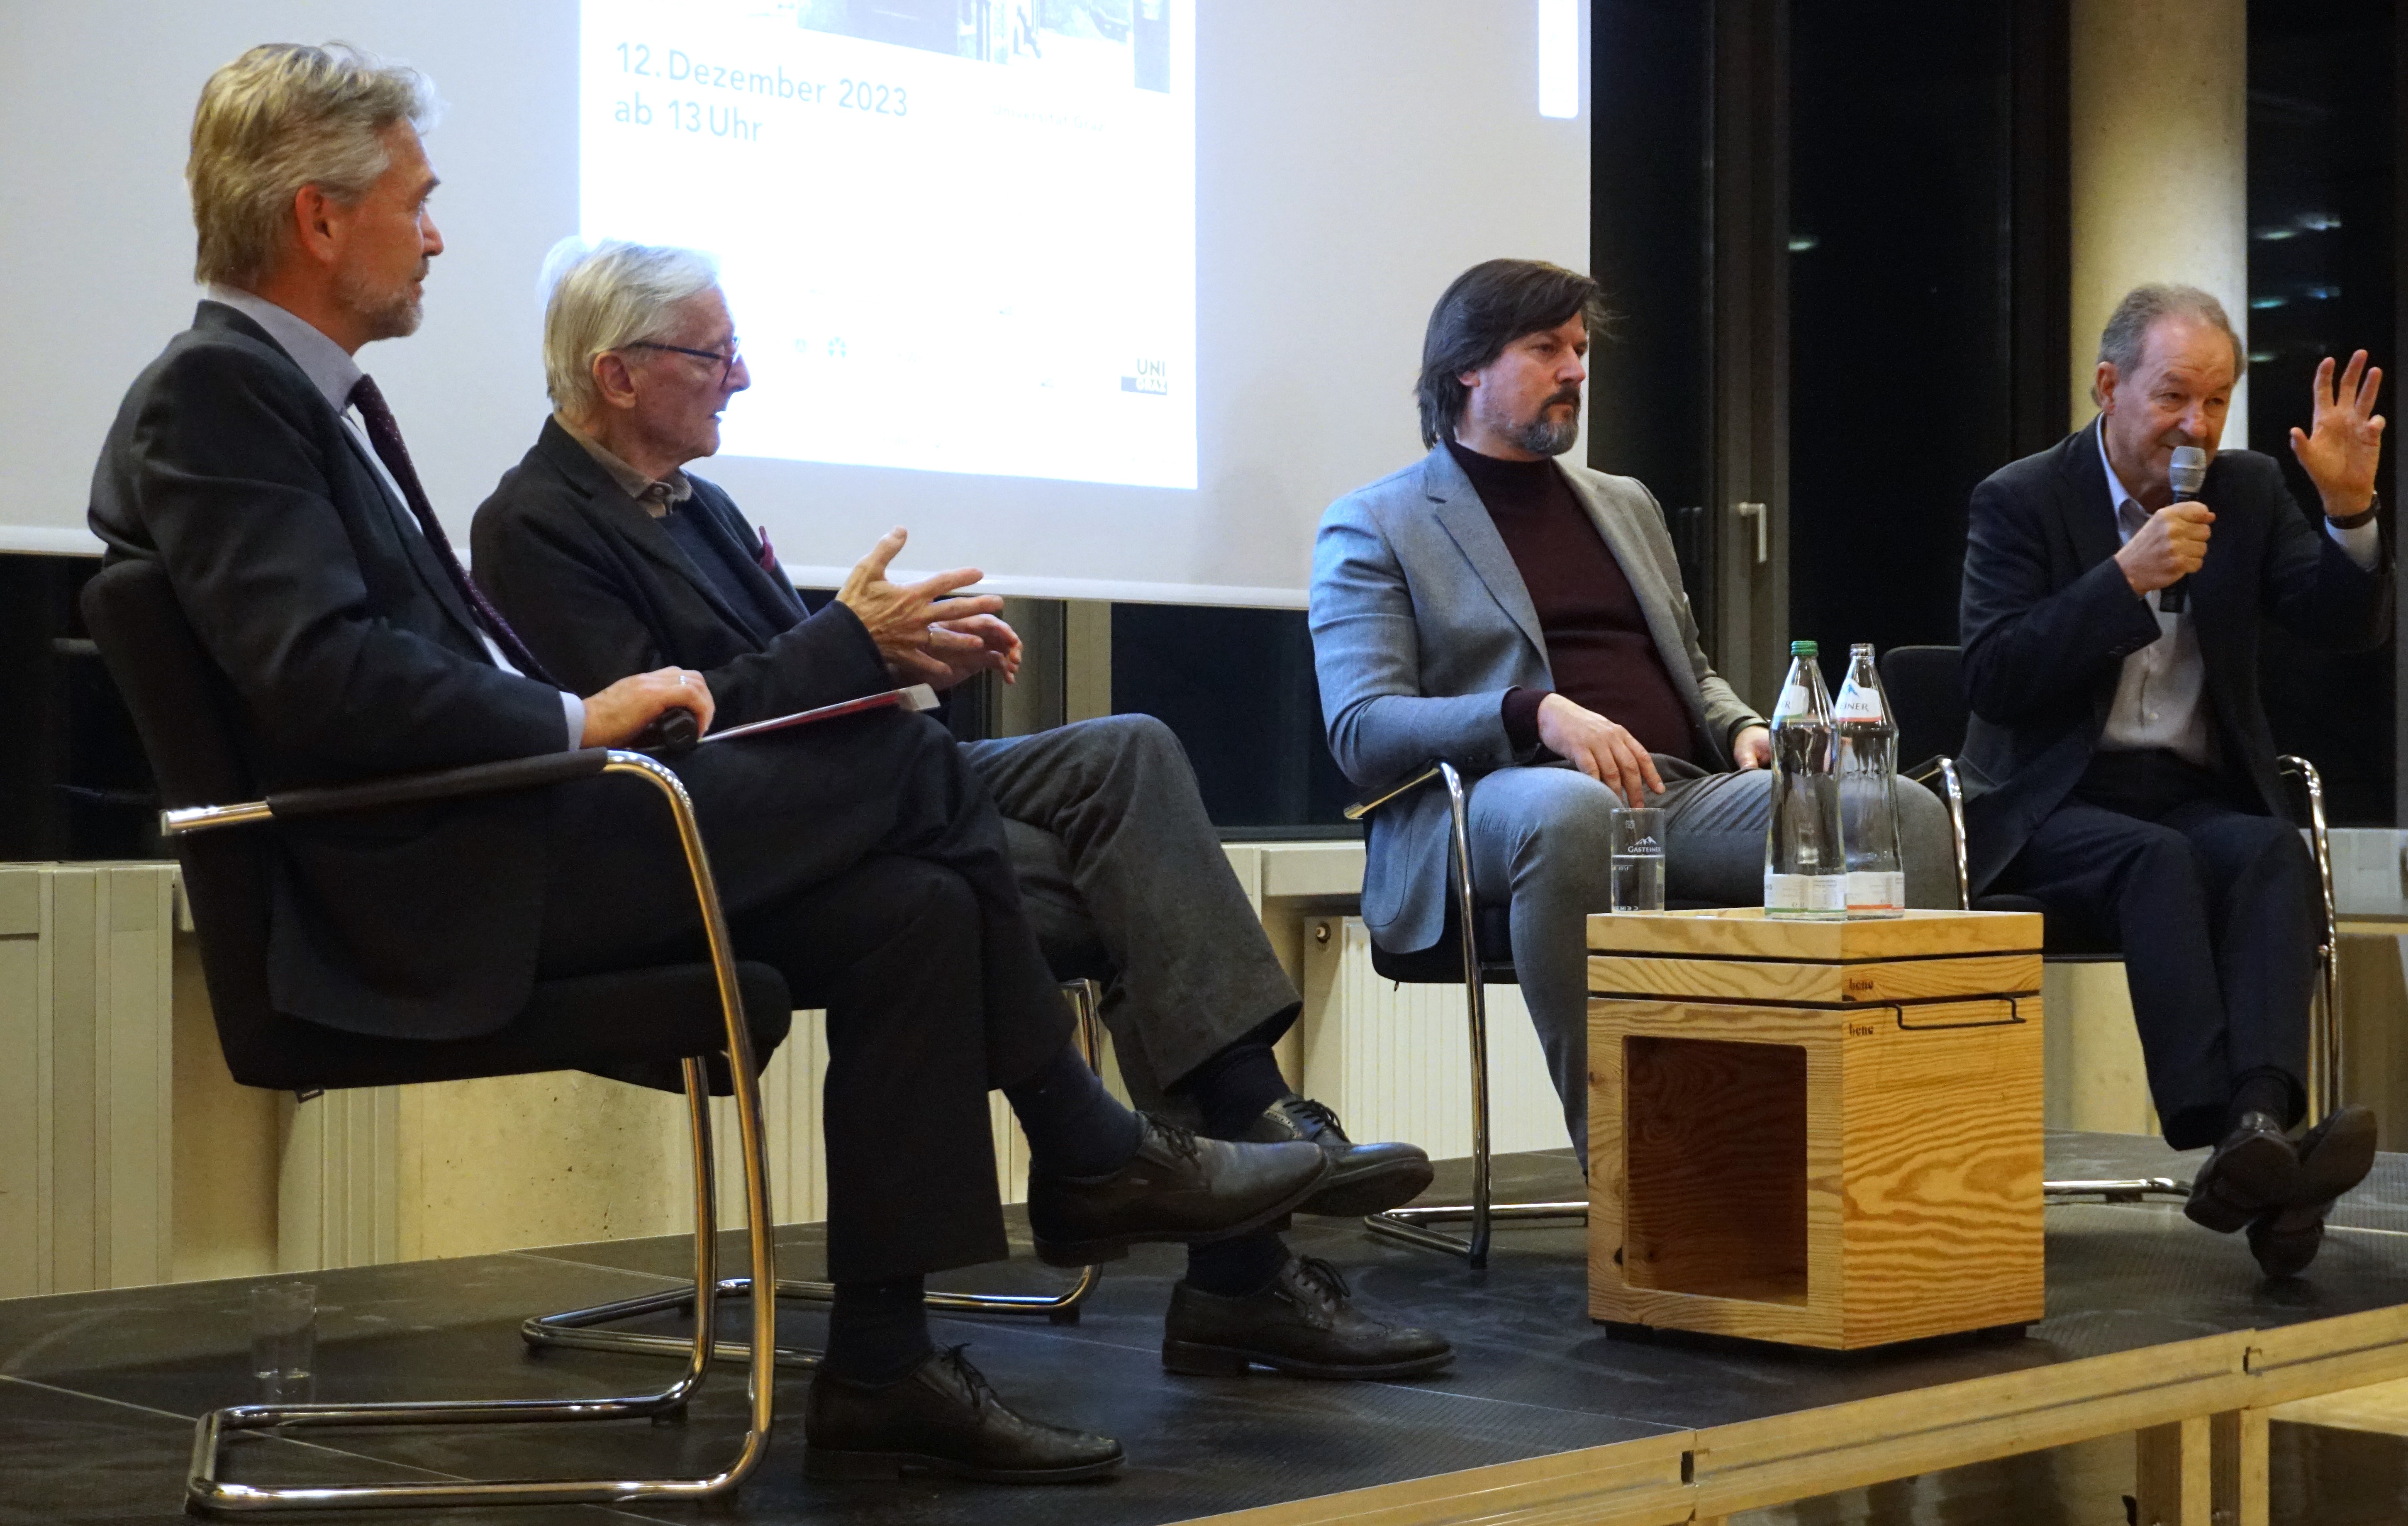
(942, 1415)
(1305, 1324)
(1363, 1178)
(1176, 1188)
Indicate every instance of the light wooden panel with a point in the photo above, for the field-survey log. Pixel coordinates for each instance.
(86, 998)
(1745, 932)
(1870, 983)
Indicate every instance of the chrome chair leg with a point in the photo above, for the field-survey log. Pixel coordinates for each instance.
(206, 1489)
(582, 1329)
(1410, 1226)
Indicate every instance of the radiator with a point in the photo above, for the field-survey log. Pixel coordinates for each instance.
(87, 977)
(1394, 1060)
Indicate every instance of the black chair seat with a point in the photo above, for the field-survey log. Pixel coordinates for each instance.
(634, 1025)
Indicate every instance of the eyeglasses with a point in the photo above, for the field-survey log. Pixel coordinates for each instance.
(726, 363)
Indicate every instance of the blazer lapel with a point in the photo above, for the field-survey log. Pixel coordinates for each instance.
(1465, 518)
(1628, 544)
(622, 516)
(2081, 500)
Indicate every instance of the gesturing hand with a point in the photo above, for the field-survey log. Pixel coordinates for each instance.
(2340, 451)
(1602, 749)
(906, 620)
(613, 717)
(2168, 548)
(979, 644)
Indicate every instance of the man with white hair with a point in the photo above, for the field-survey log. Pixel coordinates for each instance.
(611, 558)
(258, 466)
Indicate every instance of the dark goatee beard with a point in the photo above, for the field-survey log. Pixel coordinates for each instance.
(1540, 438)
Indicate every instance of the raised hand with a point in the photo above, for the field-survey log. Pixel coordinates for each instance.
(2342, 449)
(908, 620)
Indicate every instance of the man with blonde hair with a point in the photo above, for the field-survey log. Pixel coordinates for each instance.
(262, 470)
(611, 558)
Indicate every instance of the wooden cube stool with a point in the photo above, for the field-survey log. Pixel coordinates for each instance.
(1822, 1133)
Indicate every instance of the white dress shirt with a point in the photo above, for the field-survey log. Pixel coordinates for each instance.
(2161, 694)
(334, 373)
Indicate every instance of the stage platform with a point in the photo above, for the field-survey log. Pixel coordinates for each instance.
(1543, 1418)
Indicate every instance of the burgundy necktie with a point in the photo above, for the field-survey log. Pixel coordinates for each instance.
(385, 436)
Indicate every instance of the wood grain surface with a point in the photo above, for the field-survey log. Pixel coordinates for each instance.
(1745, 932)
(1813, 984)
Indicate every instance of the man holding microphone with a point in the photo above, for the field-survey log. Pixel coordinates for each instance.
(2119, 768)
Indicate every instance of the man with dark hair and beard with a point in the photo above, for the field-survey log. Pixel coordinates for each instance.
(1523, 618)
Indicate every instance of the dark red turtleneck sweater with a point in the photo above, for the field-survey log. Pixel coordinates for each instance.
(1599, 647)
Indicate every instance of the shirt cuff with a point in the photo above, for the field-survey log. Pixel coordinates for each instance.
(2364, 543)
(574, 709)
(1520, 714)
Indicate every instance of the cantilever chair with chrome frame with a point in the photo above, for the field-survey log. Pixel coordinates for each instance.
(705, 1016)
(1482, 954)
(1926, 689)
(582, 1329)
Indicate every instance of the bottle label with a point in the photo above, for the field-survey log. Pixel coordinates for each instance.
(1857, 704)
(1794, 702)
(1876, 890)
(1811, 895)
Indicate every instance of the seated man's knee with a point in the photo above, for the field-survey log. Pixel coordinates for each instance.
(1552, 817)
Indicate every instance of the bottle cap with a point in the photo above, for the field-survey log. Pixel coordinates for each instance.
(1803, 649)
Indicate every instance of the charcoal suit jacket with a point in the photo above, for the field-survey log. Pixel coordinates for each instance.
(2046, 620)
(351, 656)
(597, 589)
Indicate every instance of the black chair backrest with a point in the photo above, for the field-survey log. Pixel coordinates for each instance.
(1927, 692)
(181, 705)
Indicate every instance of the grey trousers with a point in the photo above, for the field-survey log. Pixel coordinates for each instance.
(1121, 875)
(1538, 844)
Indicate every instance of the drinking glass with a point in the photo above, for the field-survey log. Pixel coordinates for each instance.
(1637, 844)
(283, 1339)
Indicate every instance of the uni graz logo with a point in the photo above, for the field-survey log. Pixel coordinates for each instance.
(1153, 376)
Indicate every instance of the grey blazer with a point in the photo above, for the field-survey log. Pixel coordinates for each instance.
(1421, 622)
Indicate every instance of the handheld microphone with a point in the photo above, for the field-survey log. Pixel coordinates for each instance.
(2188, 470)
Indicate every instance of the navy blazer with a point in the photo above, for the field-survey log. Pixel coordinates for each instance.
(2046, 620)
(352, 655)
(597, 589)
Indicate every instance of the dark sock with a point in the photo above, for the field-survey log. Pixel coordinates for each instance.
(877, 1330)
(1238, 1268)
(2260, 1091)
(1233, 1087)
(1075, 1127)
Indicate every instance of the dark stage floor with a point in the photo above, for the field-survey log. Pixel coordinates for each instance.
(97, 1390)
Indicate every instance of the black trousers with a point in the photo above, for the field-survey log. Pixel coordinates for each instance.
(863, 861)
(2212, 906)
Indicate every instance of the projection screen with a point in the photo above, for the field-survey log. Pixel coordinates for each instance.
(1106, 297)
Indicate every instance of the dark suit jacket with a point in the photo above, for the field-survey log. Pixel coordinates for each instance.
(352, 655)
(598, 590)
(2047, 620)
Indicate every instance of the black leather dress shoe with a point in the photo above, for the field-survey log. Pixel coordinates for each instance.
(2286, 1240)
(1176, 1187)
(2334, 1157)
(940, 1415)
(2254, 1169)
(1363, 1178)
(1305, 1323)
